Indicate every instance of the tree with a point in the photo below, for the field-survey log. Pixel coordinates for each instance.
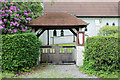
(108, 30)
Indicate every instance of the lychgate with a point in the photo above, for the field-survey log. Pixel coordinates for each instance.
(59, 21)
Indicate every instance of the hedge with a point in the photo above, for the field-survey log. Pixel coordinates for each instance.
(101, 54)
(20, 51)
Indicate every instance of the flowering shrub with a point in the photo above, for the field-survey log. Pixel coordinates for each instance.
(36, 8)
(13, 18)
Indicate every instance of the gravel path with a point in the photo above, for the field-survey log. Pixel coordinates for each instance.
(57, 71)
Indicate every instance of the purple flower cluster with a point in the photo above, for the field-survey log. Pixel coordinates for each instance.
(12, 4)
(1, 22)
(14, 24)
(16, 19)
(25, 11)
(26, 21)
(17, 15)
(13, 7)
(26, 14)
(26, 28)
(23, 30)
(6, 7)
(1, 27)
(10, 30)
(4, 20)
(29, 10)
(2, 11)
(11, 15)
(29, 19)
(15, 30)
(21, 26)
(5, 2)
(8, 11)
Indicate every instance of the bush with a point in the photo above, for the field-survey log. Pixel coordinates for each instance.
(19, 51)
(101, 54)
(108, 30)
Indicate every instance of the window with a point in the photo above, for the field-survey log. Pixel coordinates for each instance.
(113, 24)
(107, 23)
(85, 28)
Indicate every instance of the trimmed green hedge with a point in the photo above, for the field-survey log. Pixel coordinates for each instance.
(101, 54)
(20, 51)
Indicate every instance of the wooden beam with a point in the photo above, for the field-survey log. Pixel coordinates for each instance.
(36, 29)
(73, 38)
(48, 36)
(73, 32)
(58, 27)
(41, 32)
(77, 29)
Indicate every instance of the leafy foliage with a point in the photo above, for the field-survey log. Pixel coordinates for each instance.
(19, 51)
(108, 30)
(101, 54)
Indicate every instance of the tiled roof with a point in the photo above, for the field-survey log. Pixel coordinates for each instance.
(83, 8)
(57, 19)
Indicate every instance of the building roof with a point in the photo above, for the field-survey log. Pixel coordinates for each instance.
(57, 19)
(83, 8)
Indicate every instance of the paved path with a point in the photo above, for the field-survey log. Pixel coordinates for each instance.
(57, 71)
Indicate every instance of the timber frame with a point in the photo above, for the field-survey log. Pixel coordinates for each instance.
(43, 28)
(56, 21)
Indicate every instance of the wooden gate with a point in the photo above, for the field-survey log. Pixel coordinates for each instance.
(57, 54)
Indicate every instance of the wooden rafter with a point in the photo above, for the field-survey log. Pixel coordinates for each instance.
(40, 32)
(77, 29)
(36, 29)
(73, 32)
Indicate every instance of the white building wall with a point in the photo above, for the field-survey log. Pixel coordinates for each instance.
(43, 38)
(92, 30)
